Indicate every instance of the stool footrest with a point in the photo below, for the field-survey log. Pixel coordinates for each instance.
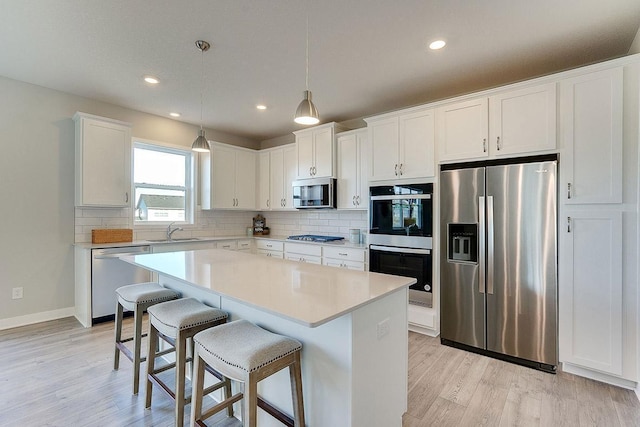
(128, 353)
(226, 403)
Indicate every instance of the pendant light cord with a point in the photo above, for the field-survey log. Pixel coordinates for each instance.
(201, 87)
(306, 81)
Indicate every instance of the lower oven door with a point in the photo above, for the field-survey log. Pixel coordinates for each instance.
(408, 262)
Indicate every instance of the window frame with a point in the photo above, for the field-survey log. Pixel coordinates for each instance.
(190, 173)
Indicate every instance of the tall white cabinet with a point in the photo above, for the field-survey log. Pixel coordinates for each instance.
(598, 224)
(353, 170)
(276, 173)
(228, 178)
(316, 151)
(102, 161)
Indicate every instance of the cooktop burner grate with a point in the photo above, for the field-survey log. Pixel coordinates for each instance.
(314, 238)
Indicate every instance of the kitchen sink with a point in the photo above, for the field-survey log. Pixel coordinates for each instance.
(174, 239)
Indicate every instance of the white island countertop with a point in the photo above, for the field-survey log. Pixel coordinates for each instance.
(307, 294)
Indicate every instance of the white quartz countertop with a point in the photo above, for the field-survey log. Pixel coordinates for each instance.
(307, 294)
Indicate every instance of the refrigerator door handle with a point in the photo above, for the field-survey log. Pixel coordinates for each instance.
(481, 240)
(490, 251)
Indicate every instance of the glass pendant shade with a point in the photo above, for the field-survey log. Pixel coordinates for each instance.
(201, 145)
(307, 113)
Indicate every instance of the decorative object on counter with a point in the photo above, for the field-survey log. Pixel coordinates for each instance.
(315, 238)
(259, 226)
(201, 144)
(111, 235)
(249, 231)
(354, 235)
(307, 113)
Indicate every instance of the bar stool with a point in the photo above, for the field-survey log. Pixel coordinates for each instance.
(176, 322)
(244, 352)
(137, 298)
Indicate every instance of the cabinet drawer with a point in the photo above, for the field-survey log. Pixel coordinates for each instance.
(304, 258)
(350, 254)
(244, 245)
(269, 245)
(351, 265)
(271, 254)
(303, 249)
(230, 245)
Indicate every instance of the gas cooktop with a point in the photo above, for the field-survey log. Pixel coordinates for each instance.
(314, 238)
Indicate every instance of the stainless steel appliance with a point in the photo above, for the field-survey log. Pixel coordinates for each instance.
(314, 193)
(498, 278)
(400, 235)
(108, 273)
(315, 238)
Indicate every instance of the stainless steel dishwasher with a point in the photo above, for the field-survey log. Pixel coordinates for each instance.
(108, 273)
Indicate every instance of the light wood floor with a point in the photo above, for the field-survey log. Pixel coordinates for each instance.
(60, 374)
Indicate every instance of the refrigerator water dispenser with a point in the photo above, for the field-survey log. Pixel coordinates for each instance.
(463, 242)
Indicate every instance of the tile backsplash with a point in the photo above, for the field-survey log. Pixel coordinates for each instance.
(224, 223)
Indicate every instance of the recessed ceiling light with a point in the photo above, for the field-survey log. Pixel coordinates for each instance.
(438, 44)
(261, 107)
(174, 114)
(151, 80)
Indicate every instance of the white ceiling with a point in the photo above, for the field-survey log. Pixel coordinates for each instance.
(366, 56)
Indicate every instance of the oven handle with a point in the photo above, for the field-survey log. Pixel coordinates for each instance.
(402, 196)
(400, 250)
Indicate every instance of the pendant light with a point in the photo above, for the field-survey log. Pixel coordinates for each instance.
(307, 113)
(201, 144)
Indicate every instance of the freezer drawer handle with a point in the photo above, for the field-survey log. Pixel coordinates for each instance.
(490, 245)
(481, 238)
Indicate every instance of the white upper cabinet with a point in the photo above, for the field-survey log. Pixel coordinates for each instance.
(591, 138)
(103, 162)
(275, 185)
(402, 145)
(352, 183)
(316, 151)
(228, 178)
(514, 122)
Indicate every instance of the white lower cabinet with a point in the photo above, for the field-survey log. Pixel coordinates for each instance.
(229, 245)
(270, 248)
(591, 290)
(303, 253)
(350, 258)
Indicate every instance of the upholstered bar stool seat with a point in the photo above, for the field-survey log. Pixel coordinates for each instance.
(137, 298)
(177, 322)
(244, 352)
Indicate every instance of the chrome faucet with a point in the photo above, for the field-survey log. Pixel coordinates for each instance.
(170, 231)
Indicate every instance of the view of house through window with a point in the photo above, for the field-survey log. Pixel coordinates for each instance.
(162, 183)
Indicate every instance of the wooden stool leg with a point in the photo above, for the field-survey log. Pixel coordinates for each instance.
(227, 395)
(137, 340)
(181, 350)
(250, 415)
(118, 337)
(197, 388)
(152, 337)
(296, 391)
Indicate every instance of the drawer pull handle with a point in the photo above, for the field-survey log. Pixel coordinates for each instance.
(341, 254)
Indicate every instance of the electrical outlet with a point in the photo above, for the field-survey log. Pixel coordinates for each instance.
(383, 328)
(16, 293)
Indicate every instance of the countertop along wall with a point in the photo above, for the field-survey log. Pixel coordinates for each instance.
(37, 192)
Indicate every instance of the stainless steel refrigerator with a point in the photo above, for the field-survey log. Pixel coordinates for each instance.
(498, 275)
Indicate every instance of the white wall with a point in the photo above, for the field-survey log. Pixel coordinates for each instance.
(635, 46)
(37, 188)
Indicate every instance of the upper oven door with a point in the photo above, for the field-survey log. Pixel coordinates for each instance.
(405, 210)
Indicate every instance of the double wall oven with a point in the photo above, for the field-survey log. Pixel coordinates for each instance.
(400, 235)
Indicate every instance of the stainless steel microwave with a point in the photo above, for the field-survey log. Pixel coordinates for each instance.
(314, 193)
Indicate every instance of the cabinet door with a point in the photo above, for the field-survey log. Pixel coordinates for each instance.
(348, 171)
(323, 152)
(264, 181)
(103, 163)
(462, 130)
(591, 137)
(277, 179)
(364, 165)
(223, 174)
(245, 177)
(304, 146)
(290, 166)
(523, 121)
(591, 290)
(383, 139)
(417, 139)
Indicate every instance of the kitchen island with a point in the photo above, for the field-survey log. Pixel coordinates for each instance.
(352, 324)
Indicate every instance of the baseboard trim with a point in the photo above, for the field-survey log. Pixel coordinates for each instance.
(29, 319)
(413, 327)
(600, 376)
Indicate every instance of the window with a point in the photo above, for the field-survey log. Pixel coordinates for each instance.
(162, 180)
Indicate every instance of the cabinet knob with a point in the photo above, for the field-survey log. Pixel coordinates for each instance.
(268, 203)
(484, 145)
(568, 224)
(396, 169)
(568, 190)
(126, 197)
(401, 164)
(358, 200)
(498, 143)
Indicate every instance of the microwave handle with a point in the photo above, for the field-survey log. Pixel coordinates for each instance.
(400, 250)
